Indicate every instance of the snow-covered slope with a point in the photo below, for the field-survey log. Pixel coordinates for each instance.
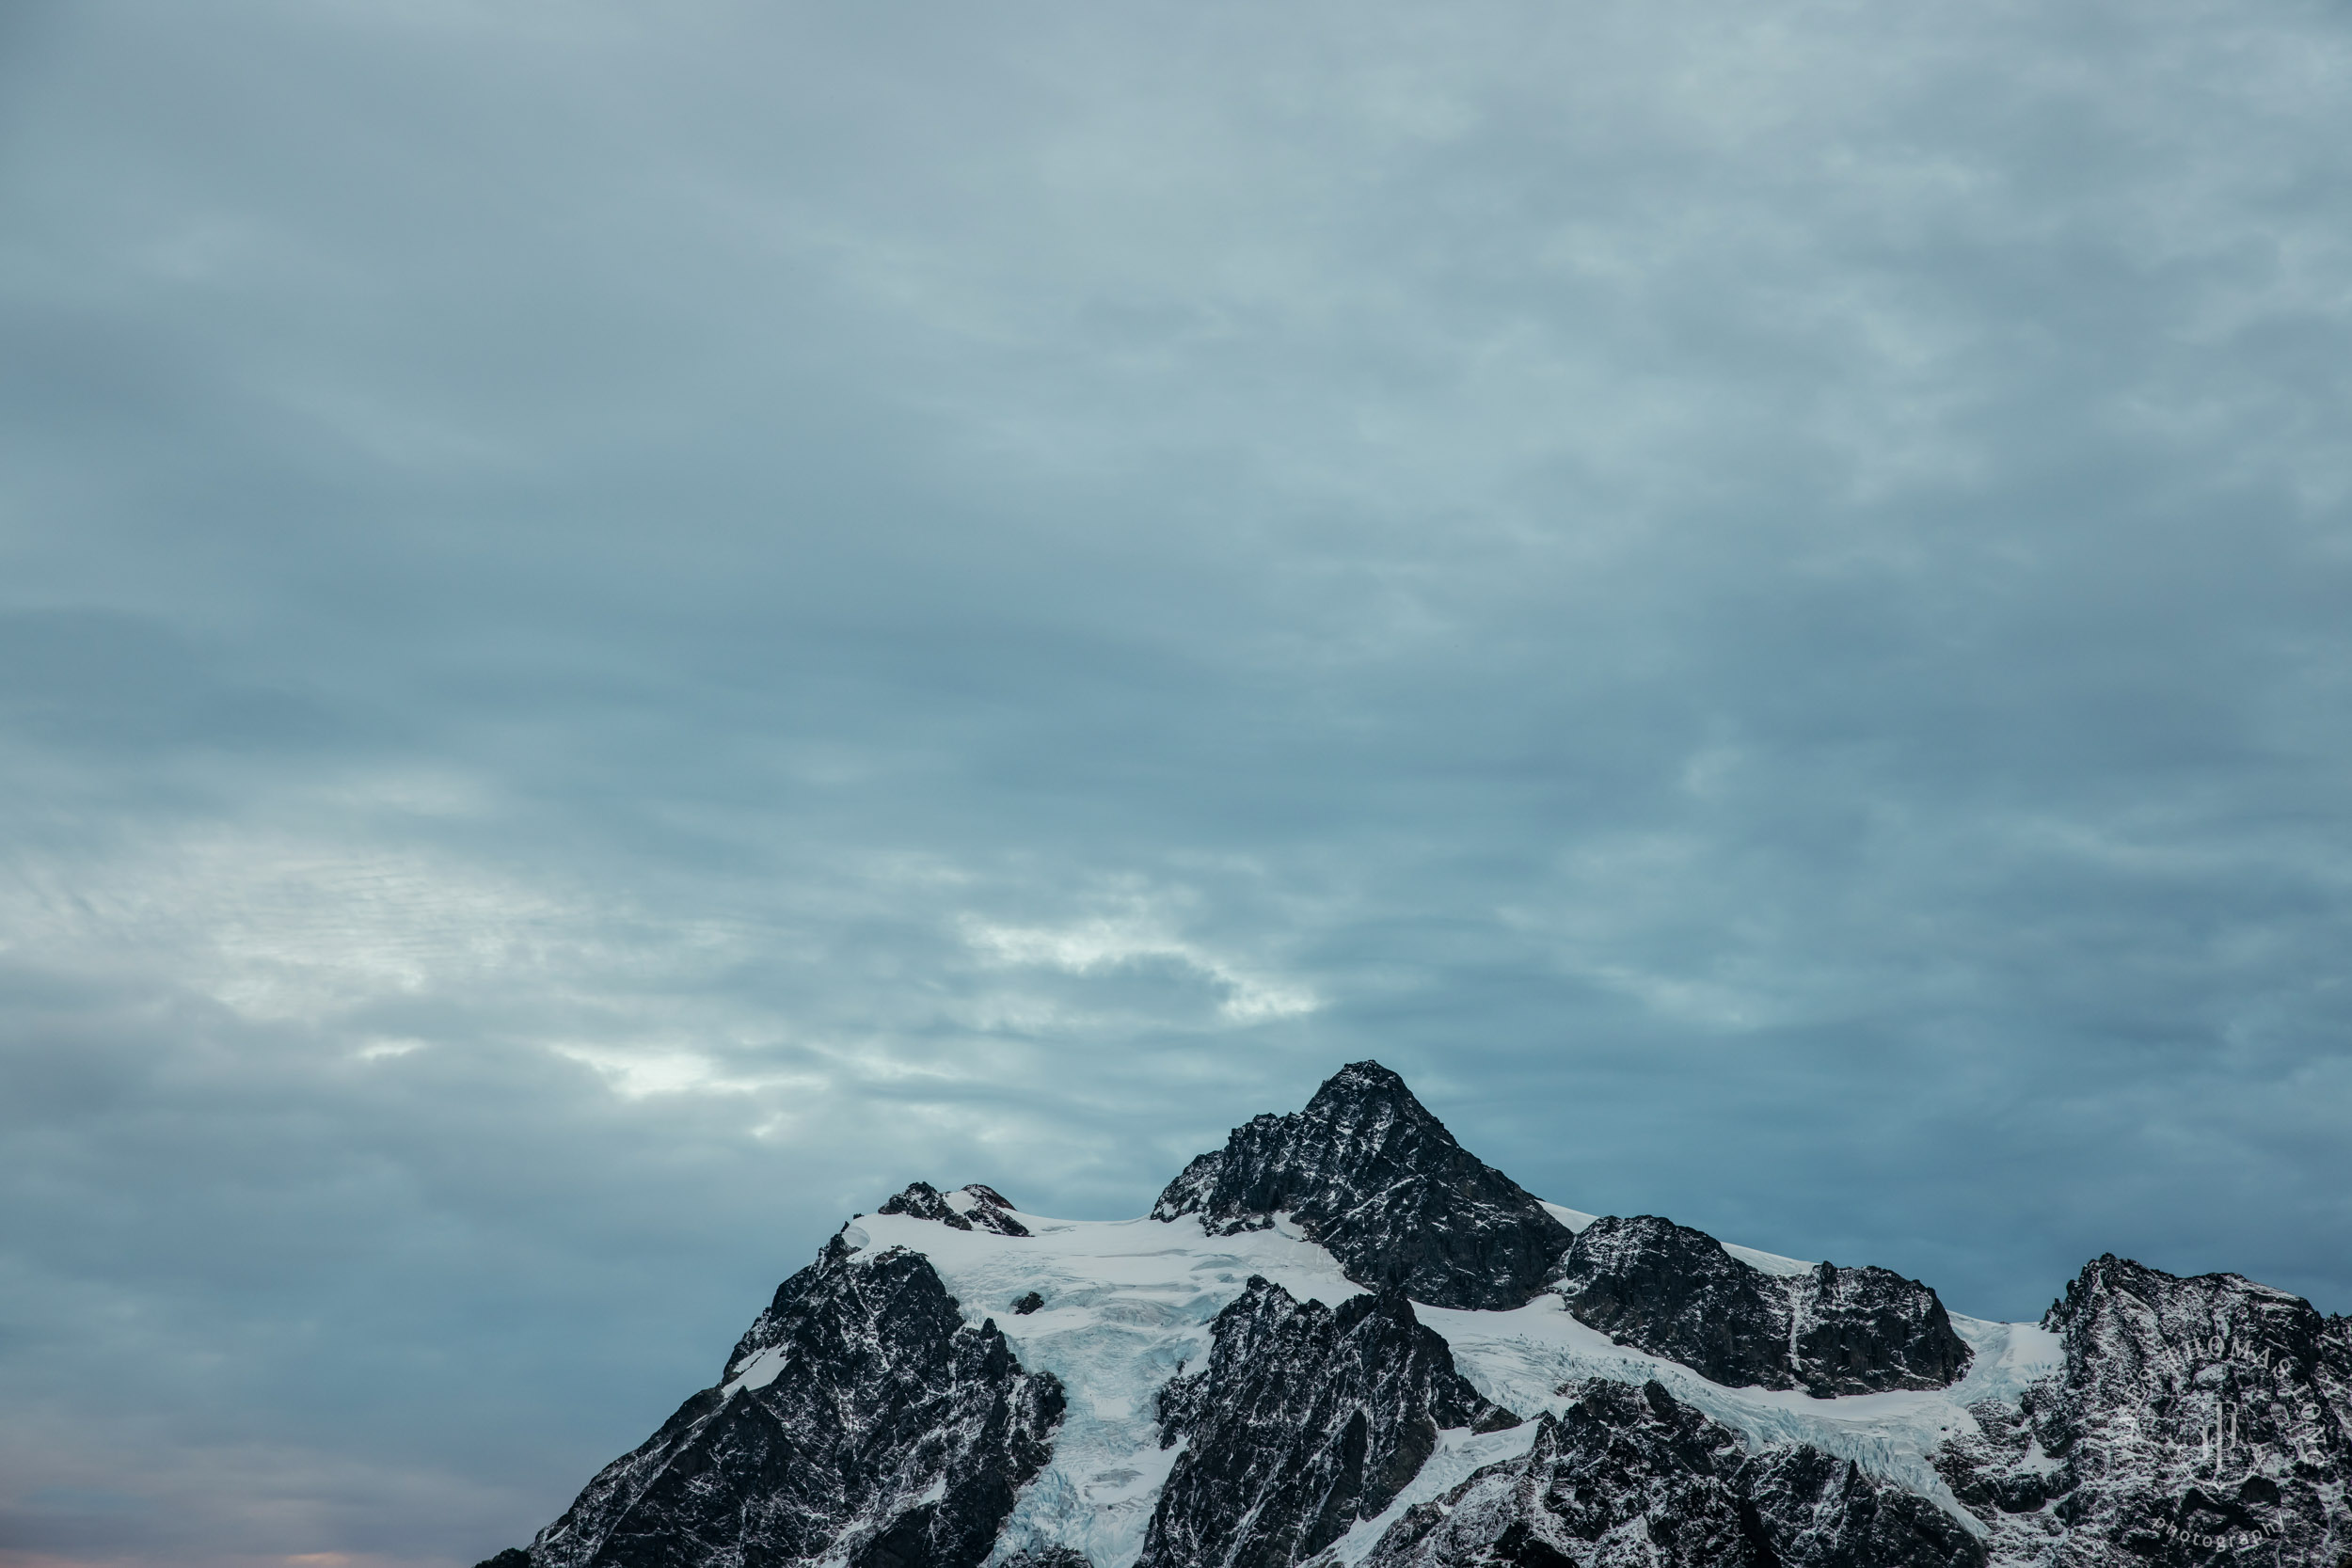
(956, 1382)
(1129, 1302)
(1125, 1306)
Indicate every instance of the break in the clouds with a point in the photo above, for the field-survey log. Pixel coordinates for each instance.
(622, 629)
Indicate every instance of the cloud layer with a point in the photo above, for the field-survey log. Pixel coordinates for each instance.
(620, 632)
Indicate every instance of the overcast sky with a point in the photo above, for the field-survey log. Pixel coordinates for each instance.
(622, 627)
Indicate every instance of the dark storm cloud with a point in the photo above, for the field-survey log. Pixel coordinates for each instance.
(620, 633)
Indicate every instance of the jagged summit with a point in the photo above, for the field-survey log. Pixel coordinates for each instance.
(1370, 1174)
(2198, 1419)
(1360, 1082)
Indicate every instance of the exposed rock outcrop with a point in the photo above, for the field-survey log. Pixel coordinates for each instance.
(1674, 1292)
(1305, 1420)
(1868, 1330)
(1629, 1476)
(1047, 1557)
(860, 1419)
(1817, 1510)
(2198, 1420)
(1370, 1174)
(968, 1207)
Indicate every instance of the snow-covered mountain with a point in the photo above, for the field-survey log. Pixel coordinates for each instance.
(1343, 1340)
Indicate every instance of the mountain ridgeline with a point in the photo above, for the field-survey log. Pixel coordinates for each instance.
(1342, 1340)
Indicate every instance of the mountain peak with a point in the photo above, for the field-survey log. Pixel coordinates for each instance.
(1363, 1080)
(878, 1415)
(1367, 1171)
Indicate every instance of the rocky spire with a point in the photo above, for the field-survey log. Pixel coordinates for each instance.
(1370, 1174)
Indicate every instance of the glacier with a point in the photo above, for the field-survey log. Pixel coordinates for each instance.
(1128, 1305)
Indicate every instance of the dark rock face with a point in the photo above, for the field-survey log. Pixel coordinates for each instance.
(1631, 1476)
(1870, 1330)
(1370, 1174)
(1624, 1474)
(1674, 1291)
(861, 1419)
(2200, 1420)
(1305, 1420)
(1817, 1510)
(982, 1207)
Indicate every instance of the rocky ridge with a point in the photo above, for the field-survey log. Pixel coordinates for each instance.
(1305, 1420)
(968, 1207)
(2201, 1419)
(859, 1419)
(1627, 1476)
(1674, 1292)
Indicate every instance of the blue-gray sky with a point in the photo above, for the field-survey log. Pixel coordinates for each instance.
(622, 627)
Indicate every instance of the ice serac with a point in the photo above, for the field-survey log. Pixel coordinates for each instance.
(1631, 1476)
(861, 1420)
(1367, 1172)
(1674, 1292)
(2198, 1420)
(1306, 1420)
